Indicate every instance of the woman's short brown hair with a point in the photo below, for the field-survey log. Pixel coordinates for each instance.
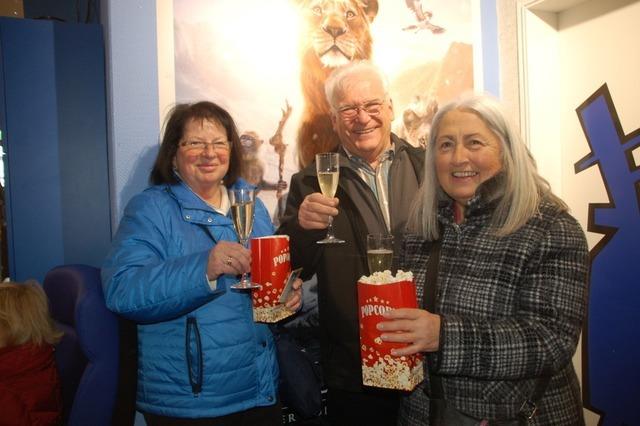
(24, 315)
(175, 123)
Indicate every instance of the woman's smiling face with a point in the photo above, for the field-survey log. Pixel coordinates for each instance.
(467, 153)
(202, 169)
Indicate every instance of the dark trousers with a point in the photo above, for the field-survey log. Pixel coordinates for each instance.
(372, 407)
(258, 416)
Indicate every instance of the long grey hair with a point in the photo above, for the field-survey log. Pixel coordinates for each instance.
(522, 187)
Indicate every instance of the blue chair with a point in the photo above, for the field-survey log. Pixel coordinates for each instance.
(87, 355)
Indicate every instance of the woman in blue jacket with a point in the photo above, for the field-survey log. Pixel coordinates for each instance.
(201, 358)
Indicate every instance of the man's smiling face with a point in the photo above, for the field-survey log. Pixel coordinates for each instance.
(367, 134)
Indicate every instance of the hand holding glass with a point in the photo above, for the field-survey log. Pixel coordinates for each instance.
(328, 170)
(242, 203)
(379, 252)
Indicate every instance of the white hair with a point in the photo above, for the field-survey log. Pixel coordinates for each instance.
(522, 187)
(334, 84)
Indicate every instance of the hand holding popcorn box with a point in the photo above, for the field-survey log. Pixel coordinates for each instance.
(270, 267)
(377, 294)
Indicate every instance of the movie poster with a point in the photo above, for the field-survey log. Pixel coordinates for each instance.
(265, 62)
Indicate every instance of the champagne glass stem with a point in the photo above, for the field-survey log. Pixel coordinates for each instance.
(330, 238)
(330, 229)
(244, 279)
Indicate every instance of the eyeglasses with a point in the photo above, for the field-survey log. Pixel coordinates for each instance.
(200, 146)
(372, 108)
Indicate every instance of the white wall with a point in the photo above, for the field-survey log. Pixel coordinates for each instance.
(598, 45)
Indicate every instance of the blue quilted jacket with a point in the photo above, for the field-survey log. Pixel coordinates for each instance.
(200, 353)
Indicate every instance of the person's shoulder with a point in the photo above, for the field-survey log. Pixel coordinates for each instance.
(308, 170)
(150, 198)
(300, 179)
(560, 226)
(260, 208)
(548, 209)
(404, 149)
(402, 145)
(241, 183)
(553, 215)
(157, 193)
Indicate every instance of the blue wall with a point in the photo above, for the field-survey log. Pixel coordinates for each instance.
(54, 123)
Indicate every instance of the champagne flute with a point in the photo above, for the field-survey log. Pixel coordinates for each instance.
(379, 252)
(242, 204)
(328, 169)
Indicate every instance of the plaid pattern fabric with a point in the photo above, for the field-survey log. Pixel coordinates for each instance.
(512, 310)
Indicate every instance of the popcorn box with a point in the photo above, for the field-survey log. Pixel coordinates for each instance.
(270, 267)
(377, 294)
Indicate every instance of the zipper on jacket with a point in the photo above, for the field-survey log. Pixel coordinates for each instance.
(194, 355)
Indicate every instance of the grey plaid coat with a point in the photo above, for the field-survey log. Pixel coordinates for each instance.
(512, 310)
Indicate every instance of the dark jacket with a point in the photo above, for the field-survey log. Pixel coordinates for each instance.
(512, 309)
(338, 267)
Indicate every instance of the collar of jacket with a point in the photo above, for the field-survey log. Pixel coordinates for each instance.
(193, 208)
(483, 202)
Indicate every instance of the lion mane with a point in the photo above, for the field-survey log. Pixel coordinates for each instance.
(335, 33)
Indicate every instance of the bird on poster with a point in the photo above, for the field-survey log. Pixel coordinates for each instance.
(423, 17)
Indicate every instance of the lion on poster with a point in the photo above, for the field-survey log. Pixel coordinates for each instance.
(335, 32)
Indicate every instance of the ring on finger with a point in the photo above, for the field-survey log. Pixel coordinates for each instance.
(229, 260)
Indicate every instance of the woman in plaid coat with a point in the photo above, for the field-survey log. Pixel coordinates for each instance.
(511, 282)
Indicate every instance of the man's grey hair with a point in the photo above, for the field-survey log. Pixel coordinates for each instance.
(334, 85)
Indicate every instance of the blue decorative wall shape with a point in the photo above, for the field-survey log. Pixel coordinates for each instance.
(611, 341)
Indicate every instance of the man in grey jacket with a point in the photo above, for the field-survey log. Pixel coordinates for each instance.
(379, 176)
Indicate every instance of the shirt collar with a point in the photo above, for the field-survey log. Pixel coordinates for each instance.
(389, 153)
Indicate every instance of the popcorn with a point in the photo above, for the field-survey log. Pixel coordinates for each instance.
(377, 294)
(392, 373)
(271, 313)
(386, 277)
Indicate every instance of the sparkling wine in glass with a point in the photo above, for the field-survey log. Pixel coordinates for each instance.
(242, 204)
(328, 170)
(379, 252)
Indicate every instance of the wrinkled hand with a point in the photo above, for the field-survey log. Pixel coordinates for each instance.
(228, 257)
(294, 301)
(417, 327)
(315, 211)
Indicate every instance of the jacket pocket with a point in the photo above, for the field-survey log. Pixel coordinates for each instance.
(193, 354)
